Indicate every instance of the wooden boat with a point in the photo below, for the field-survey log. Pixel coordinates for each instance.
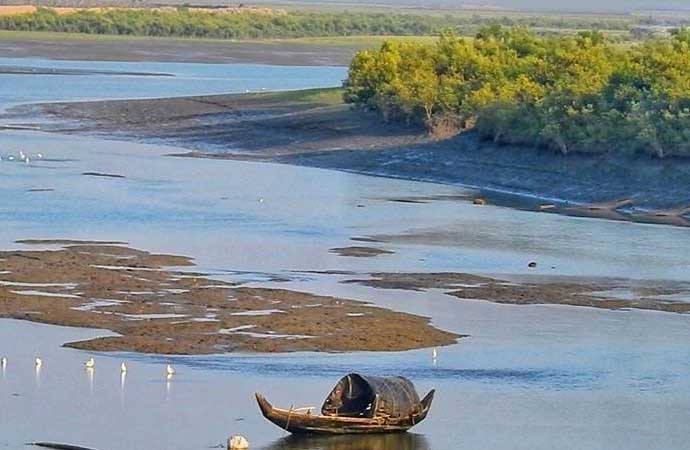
(357, 404)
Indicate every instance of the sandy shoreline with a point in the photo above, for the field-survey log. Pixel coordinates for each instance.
(313, 128)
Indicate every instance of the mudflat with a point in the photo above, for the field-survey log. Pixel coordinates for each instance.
(545, 290)
(257, 126)
(315, 128)
(155, 308)
(360, 252)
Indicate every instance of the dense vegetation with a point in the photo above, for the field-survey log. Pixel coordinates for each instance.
(570, 94)
(247, 25)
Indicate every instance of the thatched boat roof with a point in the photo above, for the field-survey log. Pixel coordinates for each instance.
(357, 395)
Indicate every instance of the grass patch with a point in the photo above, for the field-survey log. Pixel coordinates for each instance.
(352, 41)
(318, 97)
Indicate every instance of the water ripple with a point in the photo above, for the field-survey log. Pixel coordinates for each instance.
(300, 367)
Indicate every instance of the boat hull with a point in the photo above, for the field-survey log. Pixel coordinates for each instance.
(305, 423)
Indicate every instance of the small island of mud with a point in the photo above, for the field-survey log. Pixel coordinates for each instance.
(23, 70)
(102, 175)
(606, 293)
(157, 309)
(360, 252)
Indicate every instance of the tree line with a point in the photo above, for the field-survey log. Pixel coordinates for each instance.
(184, 22)
(570, 94)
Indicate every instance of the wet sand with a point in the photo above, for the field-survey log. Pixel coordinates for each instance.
(543, 290)
(157, 309)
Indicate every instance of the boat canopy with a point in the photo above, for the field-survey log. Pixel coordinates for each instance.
(364, 396)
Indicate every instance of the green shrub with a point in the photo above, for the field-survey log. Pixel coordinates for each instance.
(568, 94)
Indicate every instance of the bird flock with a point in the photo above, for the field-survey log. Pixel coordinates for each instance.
(21, 157)
(90, 364)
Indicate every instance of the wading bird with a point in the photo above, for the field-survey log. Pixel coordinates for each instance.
(90, 364)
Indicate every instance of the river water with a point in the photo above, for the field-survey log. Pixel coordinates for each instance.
(528, 377)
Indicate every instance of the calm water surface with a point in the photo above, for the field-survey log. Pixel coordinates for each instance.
(530, 377)
(175, 79)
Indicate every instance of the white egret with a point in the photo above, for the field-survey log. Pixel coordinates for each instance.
(91, 363)
(434, 353)
(3, 362)
(39, 363)
(170, 370)
(123, 367)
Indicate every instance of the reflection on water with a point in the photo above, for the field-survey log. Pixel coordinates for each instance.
(168, 386)
(395, 441)
(123, 380)
(89, 377)
(38, 376)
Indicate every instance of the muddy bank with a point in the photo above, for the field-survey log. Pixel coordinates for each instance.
(256, 126)
(539, 289)
(314, 128)
(21, 70)
(638, 188)
(97, 48)
(157, 309)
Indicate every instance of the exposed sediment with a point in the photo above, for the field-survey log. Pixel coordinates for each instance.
(157, 309)
(22, 70)
(603, 293)
(300, 128)
(360, 252)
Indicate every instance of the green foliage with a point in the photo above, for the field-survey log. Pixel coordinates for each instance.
(184, 22)
(570, 94)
